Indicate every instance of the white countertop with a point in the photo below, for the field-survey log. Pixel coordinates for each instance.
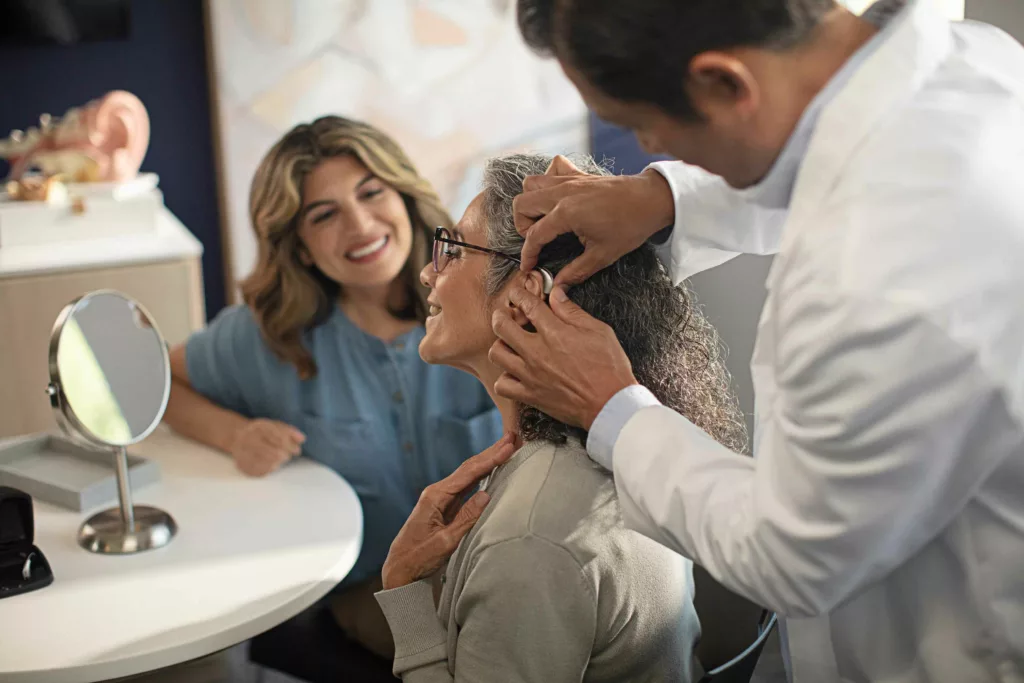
(249, 554)
(171, 240)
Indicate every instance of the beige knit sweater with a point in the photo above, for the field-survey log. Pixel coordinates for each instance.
(549, 586)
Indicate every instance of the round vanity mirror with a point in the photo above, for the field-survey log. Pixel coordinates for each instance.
(110, 380)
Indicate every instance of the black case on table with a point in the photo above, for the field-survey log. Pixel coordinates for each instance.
(17, 536)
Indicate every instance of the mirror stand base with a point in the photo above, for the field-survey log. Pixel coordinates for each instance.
(105, 531)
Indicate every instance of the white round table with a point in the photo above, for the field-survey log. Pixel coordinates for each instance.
(249, 554)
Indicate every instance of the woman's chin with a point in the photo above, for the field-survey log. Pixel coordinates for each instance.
(431, 348)
(437, 348)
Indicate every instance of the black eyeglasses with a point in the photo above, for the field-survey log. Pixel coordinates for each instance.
(442, 254)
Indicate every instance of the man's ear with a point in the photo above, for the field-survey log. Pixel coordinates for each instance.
(721, 85)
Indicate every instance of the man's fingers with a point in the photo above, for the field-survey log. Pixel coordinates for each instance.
(509, 331)
(505, 358)
(511, 388)
(585, 265)
(561, 166)
(541, 233)
(534, 308)
(568, 311)
(533, 183)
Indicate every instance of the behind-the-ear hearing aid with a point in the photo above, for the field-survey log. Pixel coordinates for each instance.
(547, 280)
(547, 283)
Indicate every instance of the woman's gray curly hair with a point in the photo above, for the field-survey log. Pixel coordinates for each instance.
(674, 350)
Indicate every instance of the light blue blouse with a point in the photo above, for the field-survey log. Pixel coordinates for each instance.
(387, 422)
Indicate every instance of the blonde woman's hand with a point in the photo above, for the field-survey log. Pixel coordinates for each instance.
(262, 446)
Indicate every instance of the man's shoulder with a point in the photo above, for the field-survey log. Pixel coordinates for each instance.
(930, 200)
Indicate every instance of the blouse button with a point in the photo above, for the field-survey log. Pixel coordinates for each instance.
(400, 346)
(397, 396)
(408, 446)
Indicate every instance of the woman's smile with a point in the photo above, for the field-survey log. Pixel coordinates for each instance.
(369, 251)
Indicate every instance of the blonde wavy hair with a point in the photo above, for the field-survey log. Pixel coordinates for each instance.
(287, 297)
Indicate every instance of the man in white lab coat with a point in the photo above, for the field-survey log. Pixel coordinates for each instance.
(882, 159)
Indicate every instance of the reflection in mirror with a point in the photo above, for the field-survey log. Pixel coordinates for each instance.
(113, 369)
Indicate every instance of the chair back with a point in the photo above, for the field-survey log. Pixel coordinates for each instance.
(733, 631)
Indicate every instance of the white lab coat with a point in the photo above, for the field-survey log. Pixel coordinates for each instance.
(883, 512)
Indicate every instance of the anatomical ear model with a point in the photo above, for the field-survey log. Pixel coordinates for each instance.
(103, 141)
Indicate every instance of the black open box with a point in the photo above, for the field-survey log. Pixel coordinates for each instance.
(23, 567)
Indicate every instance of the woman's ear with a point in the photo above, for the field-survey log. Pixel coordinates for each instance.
(534, 284)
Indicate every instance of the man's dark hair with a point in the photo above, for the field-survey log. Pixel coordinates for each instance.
(640, 50)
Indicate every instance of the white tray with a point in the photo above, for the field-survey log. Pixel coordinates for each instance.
(36, 223)
(53, 469)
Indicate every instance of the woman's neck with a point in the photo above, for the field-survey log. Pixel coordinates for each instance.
(370, 309)
(488, 374)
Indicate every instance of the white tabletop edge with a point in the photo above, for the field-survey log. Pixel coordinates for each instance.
(185, 461)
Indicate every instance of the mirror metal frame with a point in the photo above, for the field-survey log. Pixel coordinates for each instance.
(64, 413)
(128, 528)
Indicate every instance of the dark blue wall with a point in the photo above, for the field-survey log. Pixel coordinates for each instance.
(164, 63)
(618, 146)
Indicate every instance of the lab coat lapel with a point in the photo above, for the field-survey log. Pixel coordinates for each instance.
(920, 41)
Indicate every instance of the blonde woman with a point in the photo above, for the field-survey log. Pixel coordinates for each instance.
(322, 359)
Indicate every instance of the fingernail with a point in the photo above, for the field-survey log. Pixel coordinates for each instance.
(560, 295)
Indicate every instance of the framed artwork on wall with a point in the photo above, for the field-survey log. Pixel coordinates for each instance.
(954, 9)
(452, 82)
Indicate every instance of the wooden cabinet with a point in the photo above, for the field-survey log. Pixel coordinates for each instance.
(163, 271)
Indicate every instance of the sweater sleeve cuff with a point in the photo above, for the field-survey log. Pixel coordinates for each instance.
(612, 418)
(419, 636)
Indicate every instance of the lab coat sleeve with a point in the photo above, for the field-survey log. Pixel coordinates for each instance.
(713, 222)
(612, 418)
(882, 428)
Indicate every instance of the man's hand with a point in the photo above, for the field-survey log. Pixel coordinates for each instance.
(262, 446)
(611, 215)
(569, 368)
(439, 521)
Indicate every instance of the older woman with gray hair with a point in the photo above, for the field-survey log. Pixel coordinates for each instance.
(548, 585)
